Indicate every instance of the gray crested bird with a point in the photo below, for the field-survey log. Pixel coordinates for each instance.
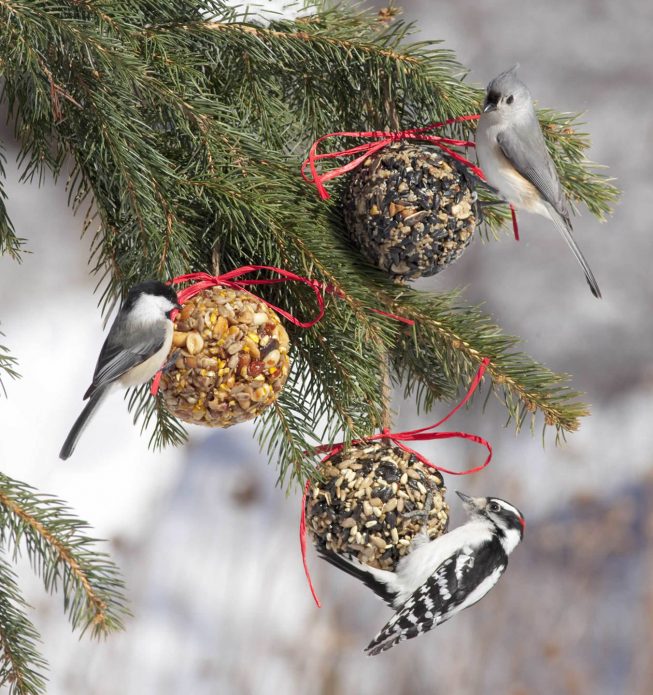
(512, 152)
(441, 577)
(135, 349)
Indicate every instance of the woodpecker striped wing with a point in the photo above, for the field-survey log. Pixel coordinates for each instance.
(459, 582)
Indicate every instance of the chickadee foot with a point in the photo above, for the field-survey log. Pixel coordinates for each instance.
(171, 362)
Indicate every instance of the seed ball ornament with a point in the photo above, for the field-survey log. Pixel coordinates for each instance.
(230, 349)
(370, 500)
(364, 502)
(410, 210)
(410, 203)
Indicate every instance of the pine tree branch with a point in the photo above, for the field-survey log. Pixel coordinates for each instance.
(451, 340)
(9, 243)
(185, 138)
(150, 412)
(7, 365)
(21, 665)
(63, 556)
(316, 37)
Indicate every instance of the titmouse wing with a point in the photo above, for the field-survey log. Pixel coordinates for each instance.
(123, 350)
(524, 146)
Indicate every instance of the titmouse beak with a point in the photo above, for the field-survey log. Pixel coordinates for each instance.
(489, 106)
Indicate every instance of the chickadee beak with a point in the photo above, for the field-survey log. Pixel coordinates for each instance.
(489, 106)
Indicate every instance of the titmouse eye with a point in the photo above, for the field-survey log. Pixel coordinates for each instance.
(510, 99)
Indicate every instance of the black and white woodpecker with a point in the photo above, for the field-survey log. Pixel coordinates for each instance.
(441, 577)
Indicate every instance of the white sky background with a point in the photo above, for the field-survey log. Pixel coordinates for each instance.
(201, 592)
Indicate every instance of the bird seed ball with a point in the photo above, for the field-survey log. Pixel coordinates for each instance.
(410, 210)
(369, 500)
(233, 359)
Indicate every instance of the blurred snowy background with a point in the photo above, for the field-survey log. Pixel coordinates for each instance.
(209, 546)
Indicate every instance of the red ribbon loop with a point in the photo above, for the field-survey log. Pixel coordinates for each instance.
(204, 281)
(383, 139)
(421, 435)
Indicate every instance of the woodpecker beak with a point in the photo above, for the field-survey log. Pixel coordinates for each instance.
(489, 106)
(178, 306)
(471, 504)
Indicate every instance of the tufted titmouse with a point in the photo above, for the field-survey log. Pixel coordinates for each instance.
(136, 348)
(513, 155)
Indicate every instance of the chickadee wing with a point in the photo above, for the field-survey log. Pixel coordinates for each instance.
(525, 149)
(459, 582)
(117, 356)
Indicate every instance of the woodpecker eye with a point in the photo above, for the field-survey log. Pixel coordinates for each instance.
(510, 99)
(494, 507)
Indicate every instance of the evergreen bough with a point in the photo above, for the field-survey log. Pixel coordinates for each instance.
(186, 136)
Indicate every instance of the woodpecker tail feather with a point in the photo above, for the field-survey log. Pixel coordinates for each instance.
(382, 582)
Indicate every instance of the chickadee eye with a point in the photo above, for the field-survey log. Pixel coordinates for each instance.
(510, 99)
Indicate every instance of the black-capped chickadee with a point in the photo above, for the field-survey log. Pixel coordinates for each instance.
(135, 349)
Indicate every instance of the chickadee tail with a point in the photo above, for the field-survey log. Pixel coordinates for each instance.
(81, 422)
(565, 230)
(380, 581)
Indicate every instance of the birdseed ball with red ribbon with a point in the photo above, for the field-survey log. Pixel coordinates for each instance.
(371, 502)
(233, 359)
(410, 210)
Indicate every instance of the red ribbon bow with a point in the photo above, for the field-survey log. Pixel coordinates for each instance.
(203, 281)
(422, 434)
(383, 139)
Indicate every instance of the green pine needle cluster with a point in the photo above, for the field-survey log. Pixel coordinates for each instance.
(7, 366)
(66, 558)
(186, 137)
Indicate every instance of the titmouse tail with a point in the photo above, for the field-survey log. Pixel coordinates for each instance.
(83, 420)
(565, 229)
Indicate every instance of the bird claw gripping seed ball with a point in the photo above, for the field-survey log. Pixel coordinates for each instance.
(233, 359)
(410, 210)
(372, 501)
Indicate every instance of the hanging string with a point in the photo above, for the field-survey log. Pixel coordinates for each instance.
(422, 434)
(381, 139)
